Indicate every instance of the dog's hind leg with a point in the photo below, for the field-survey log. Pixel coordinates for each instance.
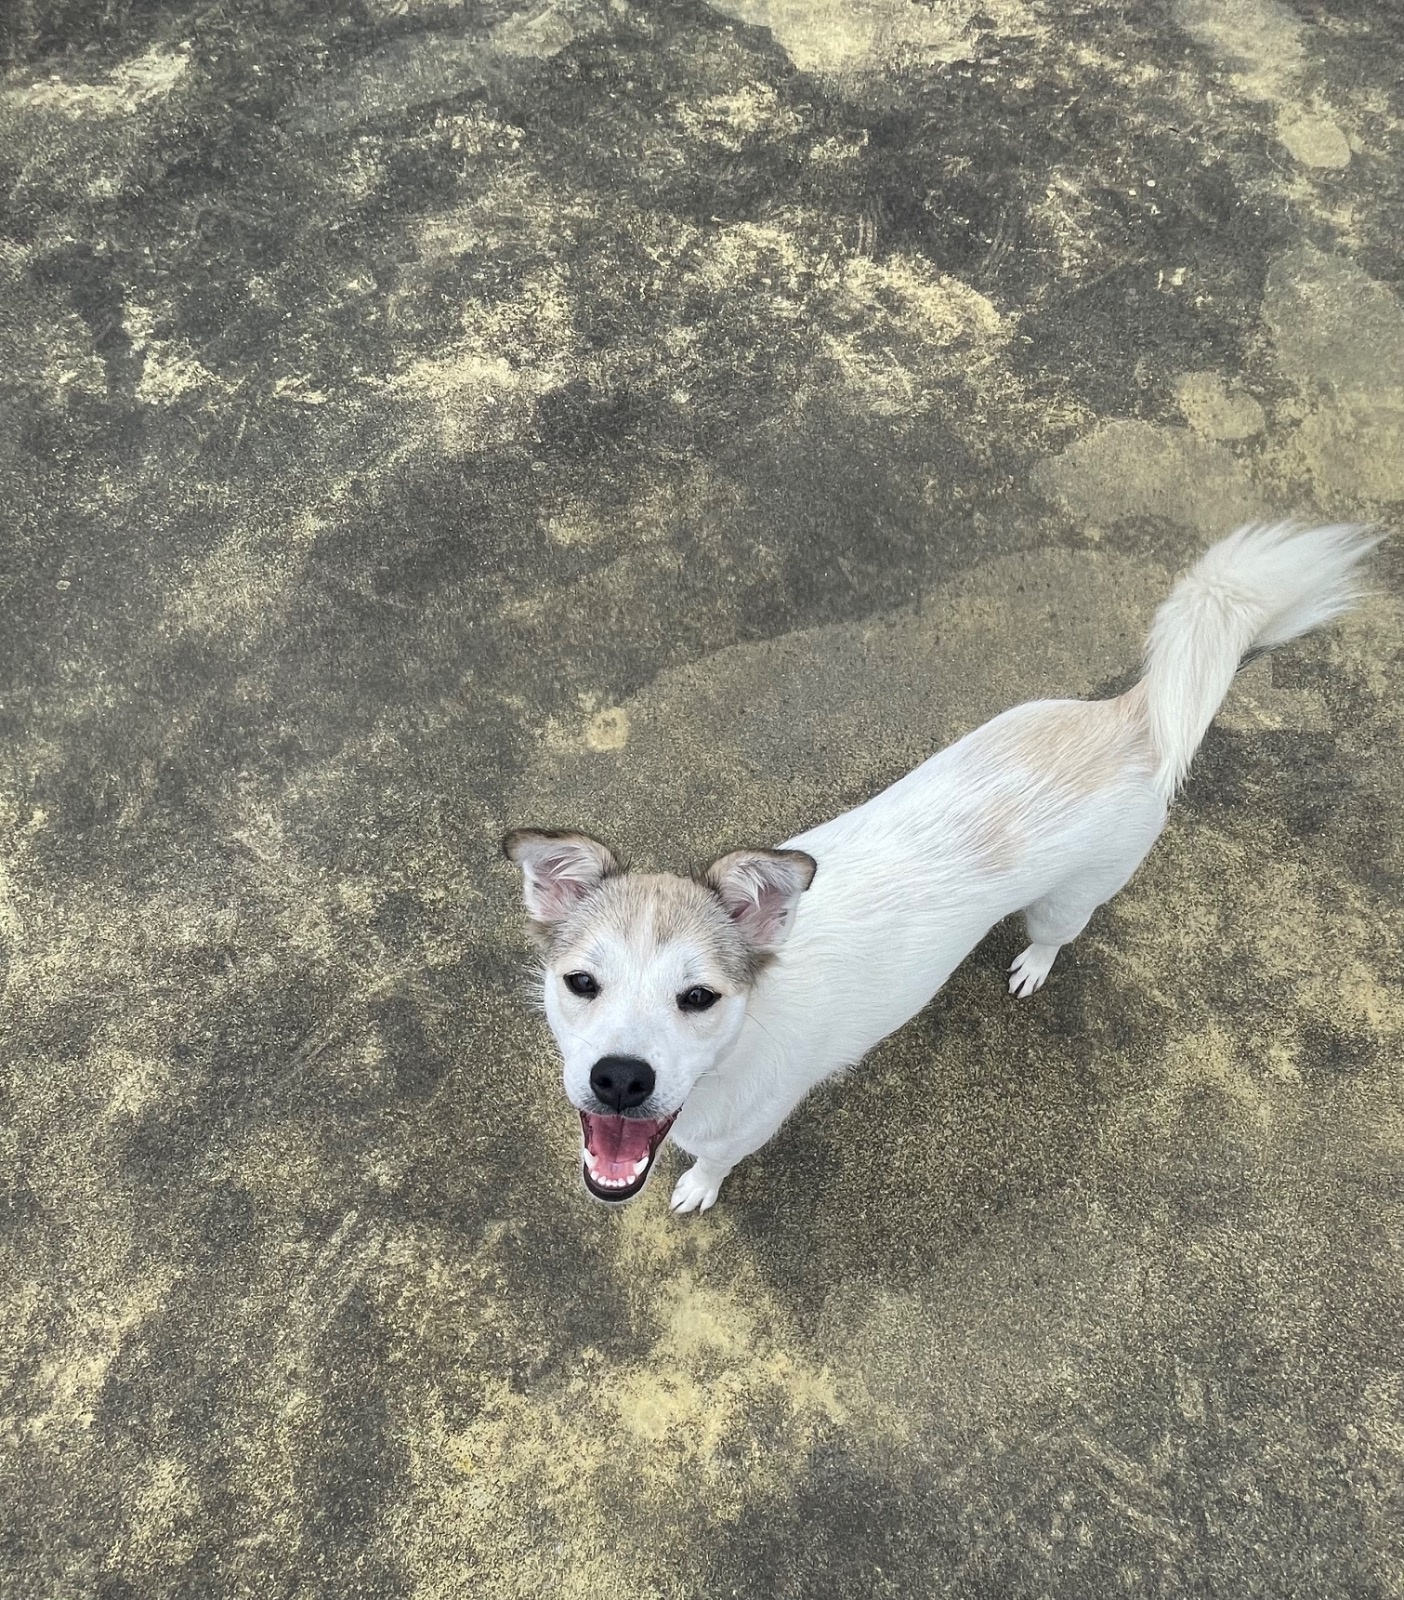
(1052, 922)
(1031, 966)
(1059, 916)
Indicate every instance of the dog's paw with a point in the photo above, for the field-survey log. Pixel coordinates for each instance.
(697, 1189)
(1030, 968)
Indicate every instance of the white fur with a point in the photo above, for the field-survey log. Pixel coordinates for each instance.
(1047, 809)
(636, 1014)
(1260, 587)
(897, 903)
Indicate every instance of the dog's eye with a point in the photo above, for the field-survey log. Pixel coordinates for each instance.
(583, 984)
(697, 998)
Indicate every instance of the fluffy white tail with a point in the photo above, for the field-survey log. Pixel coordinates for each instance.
(1258, 588)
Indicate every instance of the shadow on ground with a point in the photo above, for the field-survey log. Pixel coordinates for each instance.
(421, 418)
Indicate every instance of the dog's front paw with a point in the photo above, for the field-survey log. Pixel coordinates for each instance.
(697, 1189)
(1030, 968)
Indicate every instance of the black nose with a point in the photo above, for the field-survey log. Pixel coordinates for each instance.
(622, 1081)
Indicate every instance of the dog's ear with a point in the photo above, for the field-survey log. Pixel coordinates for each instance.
(558, 869)
(760, 890)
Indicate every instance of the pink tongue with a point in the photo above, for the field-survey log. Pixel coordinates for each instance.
(617, 1144)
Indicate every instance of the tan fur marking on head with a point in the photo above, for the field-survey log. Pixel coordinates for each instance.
(660, 909)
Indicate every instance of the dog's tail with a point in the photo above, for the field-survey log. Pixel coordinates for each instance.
(1260, 587)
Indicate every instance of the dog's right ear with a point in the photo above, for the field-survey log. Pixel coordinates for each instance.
(558, 870)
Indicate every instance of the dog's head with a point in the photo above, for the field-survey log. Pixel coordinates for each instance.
(646, 981)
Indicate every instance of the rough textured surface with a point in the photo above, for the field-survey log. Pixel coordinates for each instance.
(420, 418)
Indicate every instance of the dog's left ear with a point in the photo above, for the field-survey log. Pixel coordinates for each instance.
(760, 890)
(558, 869)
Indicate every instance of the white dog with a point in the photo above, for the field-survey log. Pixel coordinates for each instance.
(711, 1006)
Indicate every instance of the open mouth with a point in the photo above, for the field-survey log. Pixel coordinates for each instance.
(619, 1152)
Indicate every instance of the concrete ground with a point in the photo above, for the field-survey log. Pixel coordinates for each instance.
(676, 420)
